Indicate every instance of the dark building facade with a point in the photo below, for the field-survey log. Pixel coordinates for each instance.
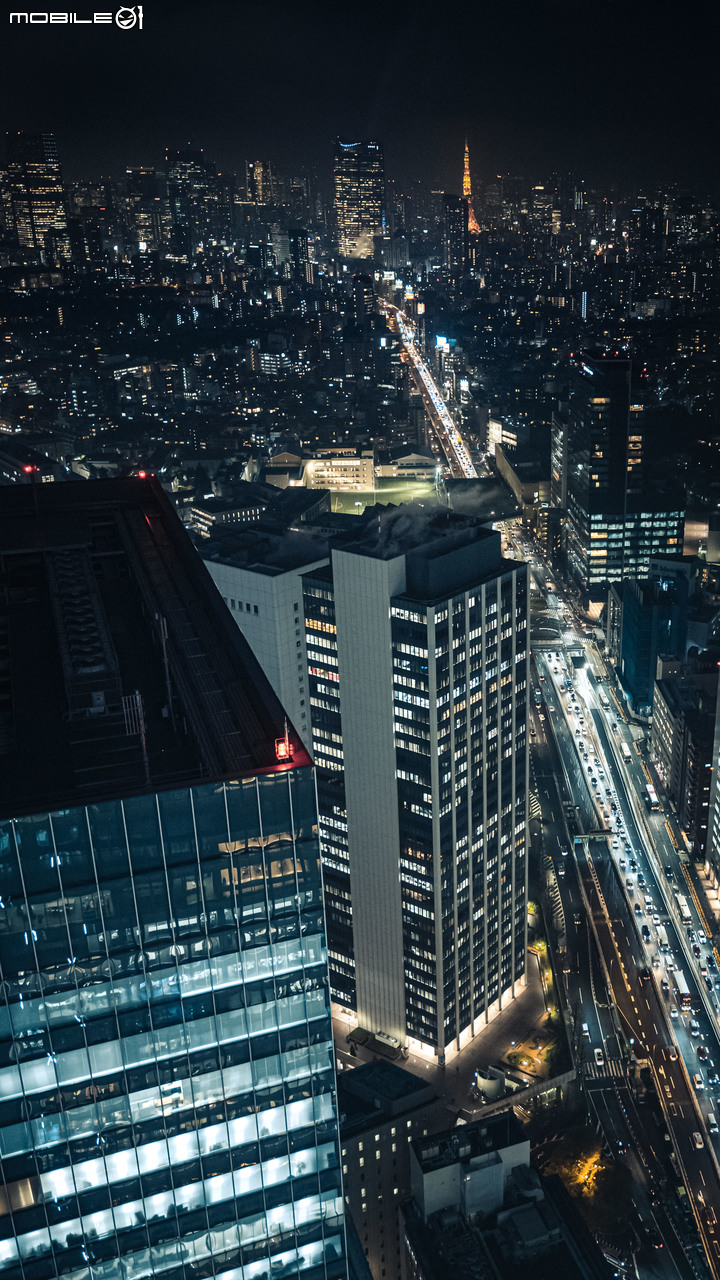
(615, 523)
(456, 236)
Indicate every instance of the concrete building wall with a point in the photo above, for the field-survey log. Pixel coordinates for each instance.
(364, 586)
(269, 612)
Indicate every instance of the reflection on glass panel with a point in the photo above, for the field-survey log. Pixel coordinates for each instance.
(243, 812)
(161, 980)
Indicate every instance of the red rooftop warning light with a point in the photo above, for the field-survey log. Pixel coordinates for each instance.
(283, 749)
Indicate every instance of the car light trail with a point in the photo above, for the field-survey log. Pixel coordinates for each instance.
(448, 434)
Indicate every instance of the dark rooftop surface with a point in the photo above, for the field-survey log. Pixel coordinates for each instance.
(479, 1138)
(102, 598)
(377, 1091)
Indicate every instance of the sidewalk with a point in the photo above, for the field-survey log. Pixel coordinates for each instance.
(517, 1021)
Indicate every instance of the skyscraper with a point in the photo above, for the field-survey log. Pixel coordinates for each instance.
(166, 1086)
(615, 520)
(415, 648)
(417, 658)
(197, 212)
(359, 196)
(36, 194)
(147, 206)
(260, 183)
(456, 248)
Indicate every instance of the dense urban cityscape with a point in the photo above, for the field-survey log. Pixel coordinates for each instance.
(359, 716)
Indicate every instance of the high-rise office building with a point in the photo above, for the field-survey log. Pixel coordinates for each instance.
(298, 254)
(36, 194)
(260, 182)
(417, 655)
(455, 235)
(413, 665)
(147, 207)
(166, 1085)
(198, 214)
(359, 176)
(615, 522)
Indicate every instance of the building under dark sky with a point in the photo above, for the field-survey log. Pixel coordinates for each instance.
(617, 92)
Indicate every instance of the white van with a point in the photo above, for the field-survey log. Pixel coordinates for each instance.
(712, 1123)
(586, 1030)
(698, 1082)
(390, 1041)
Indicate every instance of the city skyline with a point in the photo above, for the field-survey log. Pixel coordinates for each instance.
(359, 643)
(550, 88)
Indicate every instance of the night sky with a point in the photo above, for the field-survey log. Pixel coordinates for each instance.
(618, 92)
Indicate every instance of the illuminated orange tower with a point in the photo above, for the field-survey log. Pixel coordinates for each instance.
(467, 193)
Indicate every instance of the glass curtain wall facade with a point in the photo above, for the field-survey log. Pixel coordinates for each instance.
(359, 182)
(166, 1087)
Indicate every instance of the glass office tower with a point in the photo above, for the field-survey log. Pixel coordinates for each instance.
(167, 1100)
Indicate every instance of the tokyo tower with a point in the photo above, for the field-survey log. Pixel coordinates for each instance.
(467, 193)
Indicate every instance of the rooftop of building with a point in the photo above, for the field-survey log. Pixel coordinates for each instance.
(486, 498)
(263, 550)
(527, 463)
(375, 1092)
(472, 1140)
(538, 1231)
(121, 670)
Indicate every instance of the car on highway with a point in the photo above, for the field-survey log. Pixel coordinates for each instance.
(713, 1078)
(698, 1082)
(702, 1052)
(656, 918)
(709, 1218)
(669, 873)
(665, 986)
(673, 1053)
(709, 982)
(638, 909)
(702, 937)
(698, 1141)
(691, 935)
(644, 975)
(599, 1058)
(645, 933)
(674, 1013)
(694, 1027)
(696, 951)
(710, 961)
